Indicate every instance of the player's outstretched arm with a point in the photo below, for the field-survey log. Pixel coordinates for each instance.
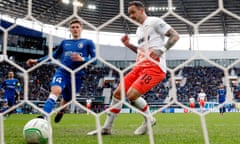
(125, 40)
(31, 62)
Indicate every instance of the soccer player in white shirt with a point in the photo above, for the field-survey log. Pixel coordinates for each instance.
(88, 104)
(191, 102)
(146, 73)
(202, 97)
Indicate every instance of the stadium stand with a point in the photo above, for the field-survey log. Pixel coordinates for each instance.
(190, 18)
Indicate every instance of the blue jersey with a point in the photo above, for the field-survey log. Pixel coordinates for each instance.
(83, 47)
(221, 95)
(62, 77)
(11, 86)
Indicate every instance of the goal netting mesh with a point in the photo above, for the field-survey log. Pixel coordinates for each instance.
(173, 77)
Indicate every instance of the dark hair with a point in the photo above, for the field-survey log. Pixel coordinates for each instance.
(10, 70)
(76, 21)
(138, 4)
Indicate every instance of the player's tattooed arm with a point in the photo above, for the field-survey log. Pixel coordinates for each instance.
(173, 38)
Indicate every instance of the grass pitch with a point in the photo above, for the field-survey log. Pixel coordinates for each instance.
(171, 128)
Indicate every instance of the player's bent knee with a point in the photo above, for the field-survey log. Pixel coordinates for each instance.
(133, 94)
(56, 90)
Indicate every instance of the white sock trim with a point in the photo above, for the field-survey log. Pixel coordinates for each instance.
(53, 96)
(140, 103)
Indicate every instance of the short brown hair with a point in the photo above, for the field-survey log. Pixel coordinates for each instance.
(138, 4)
(76, 21)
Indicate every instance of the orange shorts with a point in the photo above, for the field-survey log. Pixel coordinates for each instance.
(88, 106)
(192, 105)
(202, 103)
(144, 79)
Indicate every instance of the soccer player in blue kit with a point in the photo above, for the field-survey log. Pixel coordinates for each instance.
(72, 53)
(221, 92)
(11, 87)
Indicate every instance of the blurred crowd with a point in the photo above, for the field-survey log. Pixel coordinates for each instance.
(192, 79)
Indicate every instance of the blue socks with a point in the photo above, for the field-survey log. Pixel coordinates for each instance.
(49, 105)
(4, 108)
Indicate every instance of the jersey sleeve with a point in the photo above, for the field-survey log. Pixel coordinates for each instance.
(161, 27)
(91, 51)
(55, 54)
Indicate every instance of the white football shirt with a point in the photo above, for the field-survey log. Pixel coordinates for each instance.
(191, 100)
(202, 96)
(89, 101)
(151, 35)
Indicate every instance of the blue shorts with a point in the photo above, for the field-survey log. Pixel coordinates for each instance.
(10, 100)
(64, 81)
